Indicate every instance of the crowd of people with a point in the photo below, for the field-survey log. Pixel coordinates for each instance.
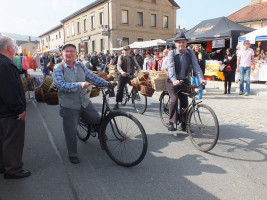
(72, 72)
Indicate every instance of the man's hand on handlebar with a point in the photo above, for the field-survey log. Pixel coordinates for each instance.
(84, 85)
(177, 82)
(203, 82)
(124, 74)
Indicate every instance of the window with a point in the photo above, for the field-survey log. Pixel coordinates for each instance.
(84, 25)
(124, 15)
(101, 18)
(78, 27)
(72, 30)
(140, 18)
(68, 32)
(153, 1)
(43, 42)
(125, 41)
(93, 45)
(59, 34)
(153, 20)
(140, 39)
(49, 38)
(165, 21)
(101, 44)
(92, 22)
(56, 37)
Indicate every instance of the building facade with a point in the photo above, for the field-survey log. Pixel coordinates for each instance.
(52, 40)
(253, 15)
(110, 24)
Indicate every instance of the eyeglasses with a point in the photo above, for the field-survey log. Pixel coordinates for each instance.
(69, 51)
(247, 43)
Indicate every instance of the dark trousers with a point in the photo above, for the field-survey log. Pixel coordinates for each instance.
(70, 122)
(12, 135)
(228, 79)
(120, 87)
(175, 95)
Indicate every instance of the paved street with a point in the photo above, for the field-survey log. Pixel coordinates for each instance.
(172, 169)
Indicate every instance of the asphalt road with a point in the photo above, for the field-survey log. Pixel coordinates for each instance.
(172, 169)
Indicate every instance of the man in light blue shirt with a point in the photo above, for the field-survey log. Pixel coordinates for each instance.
(72, 79)
(181, 62)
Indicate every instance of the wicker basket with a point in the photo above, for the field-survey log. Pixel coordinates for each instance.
(159, 84)
(39, 94)
(94, 92)
(53, 88)
(24, 83)
(48, 80)
(147, 91)
(110, 78)
(51, 98)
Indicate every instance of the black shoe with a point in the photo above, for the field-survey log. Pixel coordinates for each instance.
(74, 159)
(171, 127)
(116, 107)
(229, 92)
(182, 127)
(20, 174)
(225, 92)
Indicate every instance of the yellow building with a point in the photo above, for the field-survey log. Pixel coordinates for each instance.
(53, 39)
(108, 24)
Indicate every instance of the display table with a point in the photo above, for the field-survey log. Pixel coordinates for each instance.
(259, 74)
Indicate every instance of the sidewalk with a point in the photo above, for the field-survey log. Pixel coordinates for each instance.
(256, 88)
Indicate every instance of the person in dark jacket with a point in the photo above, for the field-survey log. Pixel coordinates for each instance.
(229, 71)
(138, 58)
(12, 114)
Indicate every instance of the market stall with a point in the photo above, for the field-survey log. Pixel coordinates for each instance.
(217, 33)
(258, 39)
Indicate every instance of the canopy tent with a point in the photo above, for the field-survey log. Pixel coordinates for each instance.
(257, 35)
(212, 29)
(144, 44)
(147, 44)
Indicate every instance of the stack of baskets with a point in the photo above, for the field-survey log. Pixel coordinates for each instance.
(143, 84)
(47, 92)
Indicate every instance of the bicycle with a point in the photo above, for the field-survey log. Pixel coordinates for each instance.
(121, 135)
(139, 101)
(201, 121)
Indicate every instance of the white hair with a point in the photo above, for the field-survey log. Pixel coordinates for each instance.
(5, 42)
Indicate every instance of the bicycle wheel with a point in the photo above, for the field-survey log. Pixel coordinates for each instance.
(203, 127)
(124, 138)
(125, 96)
(164, 108)
(139, 101)
(83, 131)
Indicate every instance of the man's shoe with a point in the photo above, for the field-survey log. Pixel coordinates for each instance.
(225, 92)
(116, 107)
(74, 159)
(20, 174)
(182, 127)
(240, 93)
(171, 127)
(246, 94)
(229, 92)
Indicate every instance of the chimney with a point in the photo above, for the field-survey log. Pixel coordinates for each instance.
(29, 40)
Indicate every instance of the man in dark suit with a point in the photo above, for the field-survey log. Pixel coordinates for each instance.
(12, 114)
(181, 61)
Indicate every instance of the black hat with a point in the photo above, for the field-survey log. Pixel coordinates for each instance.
(126, 47)
(180, 36)
(68, 45)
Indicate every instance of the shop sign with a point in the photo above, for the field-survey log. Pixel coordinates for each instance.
(220, 43)
(85, 38)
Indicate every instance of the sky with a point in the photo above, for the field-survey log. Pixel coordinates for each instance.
(35, 17)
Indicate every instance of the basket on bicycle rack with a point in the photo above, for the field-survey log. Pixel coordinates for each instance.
(48, 80)
(24, 83)
(147, 90)
(94, 92)
(39, 94)
(136, 84)
(51, 98)
(159, 84)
